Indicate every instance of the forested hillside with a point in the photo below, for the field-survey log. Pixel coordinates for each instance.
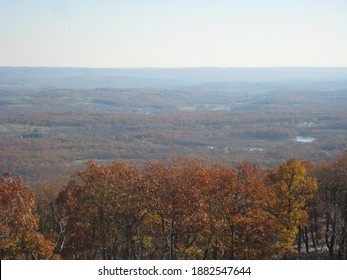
(190, 208)
(211, 163)
(47, 133)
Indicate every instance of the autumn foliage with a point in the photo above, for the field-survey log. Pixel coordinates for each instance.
(293, 188)
(19, 236)
(187, 208)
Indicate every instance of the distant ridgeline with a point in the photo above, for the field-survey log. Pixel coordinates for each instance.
(33, 134)
(48, 77)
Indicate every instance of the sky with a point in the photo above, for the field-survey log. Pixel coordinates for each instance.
(173, 33)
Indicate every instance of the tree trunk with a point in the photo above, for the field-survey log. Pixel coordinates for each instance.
(306, 240)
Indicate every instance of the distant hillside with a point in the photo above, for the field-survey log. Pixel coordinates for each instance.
(47, 77)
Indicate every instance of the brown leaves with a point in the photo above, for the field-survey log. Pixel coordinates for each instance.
(100, 208)
(19, 236)
(238, 203)
(183, 208)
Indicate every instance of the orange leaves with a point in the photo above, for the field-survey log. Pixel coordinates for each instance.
(100, 207)
(238, 202)
(20, 238)
(174, 195)
(183, 208)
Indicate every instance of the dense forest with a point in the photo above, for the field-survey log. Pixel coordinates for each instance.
(189, 208)
(47, 133)
(211, 163)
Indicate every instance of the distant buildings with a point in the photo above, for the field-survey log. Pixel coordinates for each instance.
(34, 134)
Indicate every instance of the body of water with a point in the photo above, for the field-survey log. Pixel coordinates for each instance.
(304, 139)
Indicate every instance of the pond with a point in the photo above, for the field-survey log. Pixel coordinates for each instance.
(304, 139)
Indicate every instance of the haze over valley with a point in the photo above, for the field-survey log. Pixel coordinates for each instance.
(231, 114)
(173, 130)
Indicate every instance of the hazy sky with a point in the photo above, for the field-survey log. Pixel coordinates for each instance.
(173, 33)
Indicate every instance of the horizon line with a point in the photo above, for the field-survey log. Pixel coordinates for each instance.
(167, 67)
